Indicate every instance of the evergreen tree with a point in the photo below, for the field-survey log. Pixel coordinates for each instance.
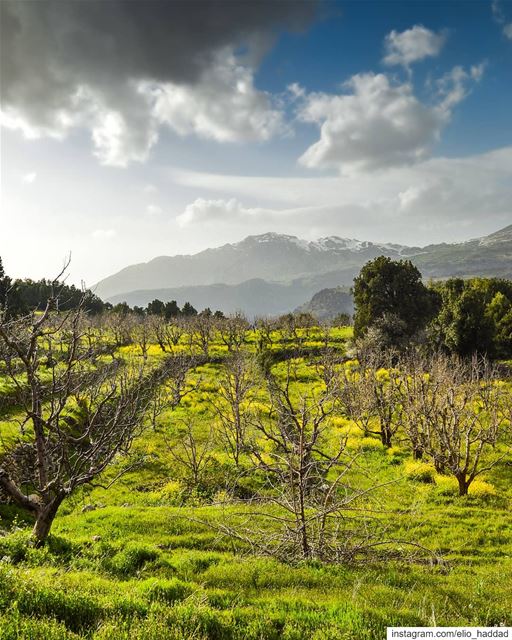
(392, 289)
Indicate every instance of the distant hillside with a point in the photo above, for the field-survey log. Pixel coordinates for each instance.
(329, 303)
(274, 273)
(271, 256)
(488, 256)
(253, 297)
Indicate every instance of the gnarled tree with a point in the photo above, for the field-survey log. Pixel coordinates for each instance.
(78, 413)
(457, 412)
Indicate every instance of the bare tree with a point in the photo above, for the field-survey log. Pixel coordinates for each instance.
(290, 329)
(201, 332)
(141, 333)
(192, 449)
(370, 394)
(230, 404)
(352, 391)
(386, 401)
(175, 381)
(93, 336)
(304, 470)
(120, 326)
(232, 330)
(77, 415)
(266, 329)
(457, 412)
(167, 333)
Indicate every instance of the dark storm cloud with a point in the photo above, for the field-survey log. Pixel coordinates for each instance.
(67, 56)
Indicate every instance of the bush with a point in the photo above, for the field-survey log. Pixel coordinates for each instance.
(420, 472)
(172, 493)
(364, 444)
(36, 599)
(14, 547)
(446, 486)
(482, 489)
(396, 454)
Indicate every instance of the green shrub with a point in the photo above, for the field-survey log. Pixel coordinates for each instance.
(482, 489)
(15, 546)
(420, 472)
(446, 486)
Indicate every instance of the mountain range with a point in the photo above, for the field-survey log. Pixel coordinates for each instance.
(275, 273)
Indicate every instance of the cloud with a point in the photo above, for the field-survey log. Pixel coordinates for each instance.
(378, 123)
(104, 234)
(455, 85)
(412, 45)
(153, 210)
(499, 17)
(29, 178)
(431, 201)
(88, 63)
(203, 211)
(223, 105)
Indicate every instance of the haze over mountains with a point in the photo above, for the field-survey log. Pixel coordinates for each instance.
(274, 273)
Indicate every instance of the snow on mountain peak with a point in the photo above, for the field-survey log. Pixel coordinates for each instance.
(326, 244)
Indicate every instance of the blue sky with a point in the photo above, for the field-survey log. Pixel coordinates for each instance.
(386, 121)
(351, 41)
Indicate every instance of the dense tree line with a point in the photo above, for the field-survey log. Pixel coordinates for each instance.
(22, 296)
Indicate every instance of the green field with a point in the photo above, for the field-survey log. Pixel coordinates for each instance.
(156, 555)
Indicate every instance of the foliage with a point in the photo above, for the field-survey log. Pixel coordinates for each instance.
(476, 316)
(393, 289)
(162, 552)
(33, 296)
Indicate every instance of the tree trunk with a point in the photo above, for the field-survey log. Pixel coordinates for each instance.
(44, 520)
(439, 465)
(463, 485)
(418, 453)
(385, 437)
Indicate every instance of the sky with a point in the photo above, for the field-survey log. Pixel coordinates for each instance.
(132, 129)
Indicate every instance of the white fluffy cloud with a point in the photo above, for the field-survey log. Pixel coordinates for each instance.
(223, 105)
(120, 139)
(456, 85)
(203, 211)
(377, 123)
(412, 45)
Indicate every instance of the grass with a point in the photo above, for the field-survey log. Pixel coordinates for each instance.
(147, 560)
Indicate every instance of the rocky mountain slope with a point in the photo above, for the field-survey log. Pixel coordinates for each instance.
(329, 303)
(275, 273)
(270, 256)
